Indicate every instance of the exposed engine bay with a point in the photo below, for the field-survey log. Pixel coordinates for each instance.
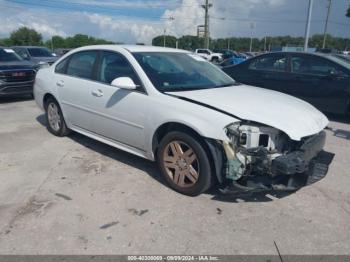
(262, 157)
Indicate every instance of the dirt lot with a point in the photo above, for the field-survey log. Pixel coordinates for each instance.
(76, 196)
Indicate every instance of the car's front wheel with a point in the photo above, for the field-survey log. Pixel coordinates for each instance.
(54, 118)
(184, 163)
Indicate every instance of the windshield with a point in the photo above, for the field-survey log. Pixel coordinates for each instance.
(339, 60)
(8, 55)
(39, 52)
(343, 58)
(181, 71)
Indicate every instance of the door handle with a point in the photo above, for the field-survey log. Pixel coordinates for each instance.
(97, 93)
(60, 83)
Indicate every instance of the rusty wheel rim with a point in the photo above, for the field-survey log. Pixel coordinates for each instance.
(181, 164)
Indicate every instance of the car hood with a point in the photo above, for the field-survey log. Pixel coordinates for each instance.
(16, 65)
(291, 115)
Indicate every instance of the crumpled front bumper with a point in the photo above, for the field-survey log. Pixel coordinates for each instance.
(298, 161)
(289, 172)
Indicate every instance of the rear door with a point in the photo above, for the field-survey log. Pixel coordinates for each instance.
(74, 79)
(320, 82)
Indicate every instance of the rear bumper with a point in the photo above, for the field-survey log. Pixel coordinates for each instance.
(16, 88)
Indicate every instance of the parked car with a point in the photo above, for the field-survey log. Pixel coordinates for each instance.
(225, 53)
(320, 79)
(209, 55)
(62, 51)
(174, 107)
(37, 54)
(235, 59)
(16, 75)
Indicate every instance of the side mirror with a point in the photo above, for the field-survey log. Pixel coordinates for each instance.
(124, 83)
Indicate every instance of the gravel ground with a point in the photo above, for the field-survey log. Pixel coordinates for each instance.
(74, 195)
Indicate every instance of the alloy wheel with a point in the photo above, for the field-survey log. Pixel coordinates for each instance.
(54, 116)
(181, 164)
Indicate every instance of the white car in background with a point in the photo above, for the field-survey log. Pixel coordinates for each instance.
(209, 55)
(176, 108)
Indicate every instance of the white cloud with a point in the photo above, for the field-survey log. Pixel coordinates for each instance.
(190, 14)
(187, 15)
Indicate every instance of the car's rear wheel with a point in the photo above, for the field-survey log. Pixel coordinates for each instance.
(54, 118)
(184, 163)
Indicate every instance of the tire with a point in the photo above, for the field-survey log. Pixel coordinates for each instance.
(180, 171)
(54, 119)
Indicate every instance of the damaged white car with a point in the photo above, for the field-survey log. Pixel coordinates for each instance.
(176, 108)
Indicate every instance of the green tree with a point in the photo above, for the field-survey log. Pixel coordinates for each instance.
(190, 42)
(348, 12)
(6, 42)
(170, 41)
(25, 36)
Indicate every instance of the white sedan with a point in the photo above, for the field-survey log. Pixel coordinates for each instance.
(173, 107)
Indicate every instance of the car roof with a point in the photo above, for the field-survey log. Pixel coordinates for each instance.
(132, 48)
(324, 55)
(27, 46)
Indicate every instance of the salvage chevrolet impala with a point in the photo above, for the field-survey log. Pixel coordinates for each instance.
(174, 107)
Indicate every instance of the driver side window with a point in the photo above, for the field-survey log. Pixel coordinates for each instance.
(114, 65)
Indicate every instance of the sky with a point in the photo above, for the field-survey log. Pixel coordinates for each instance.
(132, 21)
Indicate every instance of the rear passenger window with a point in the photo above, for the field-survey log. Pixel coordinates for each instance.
(269, 63)
(313, 65)
(61, 67)
(81, 64)
(114, 65)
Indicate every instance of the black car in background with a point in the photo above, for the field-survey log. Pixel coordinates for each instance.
(322, 80)
(37, 54)
(16, 75)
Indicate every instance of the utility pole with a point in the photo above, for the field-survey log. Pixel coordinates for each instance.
(164, 37)
(206, 23)
(326, 24)
(265, 44)
(307, 29)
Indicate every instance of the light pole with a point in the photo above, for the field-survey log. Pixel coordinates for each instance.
(251, 36)
(164, 37)
(326, 25)
(52, 44)
(307, 29)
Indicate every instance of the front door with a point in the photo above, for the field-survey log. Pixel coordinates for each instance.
(118, 114)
